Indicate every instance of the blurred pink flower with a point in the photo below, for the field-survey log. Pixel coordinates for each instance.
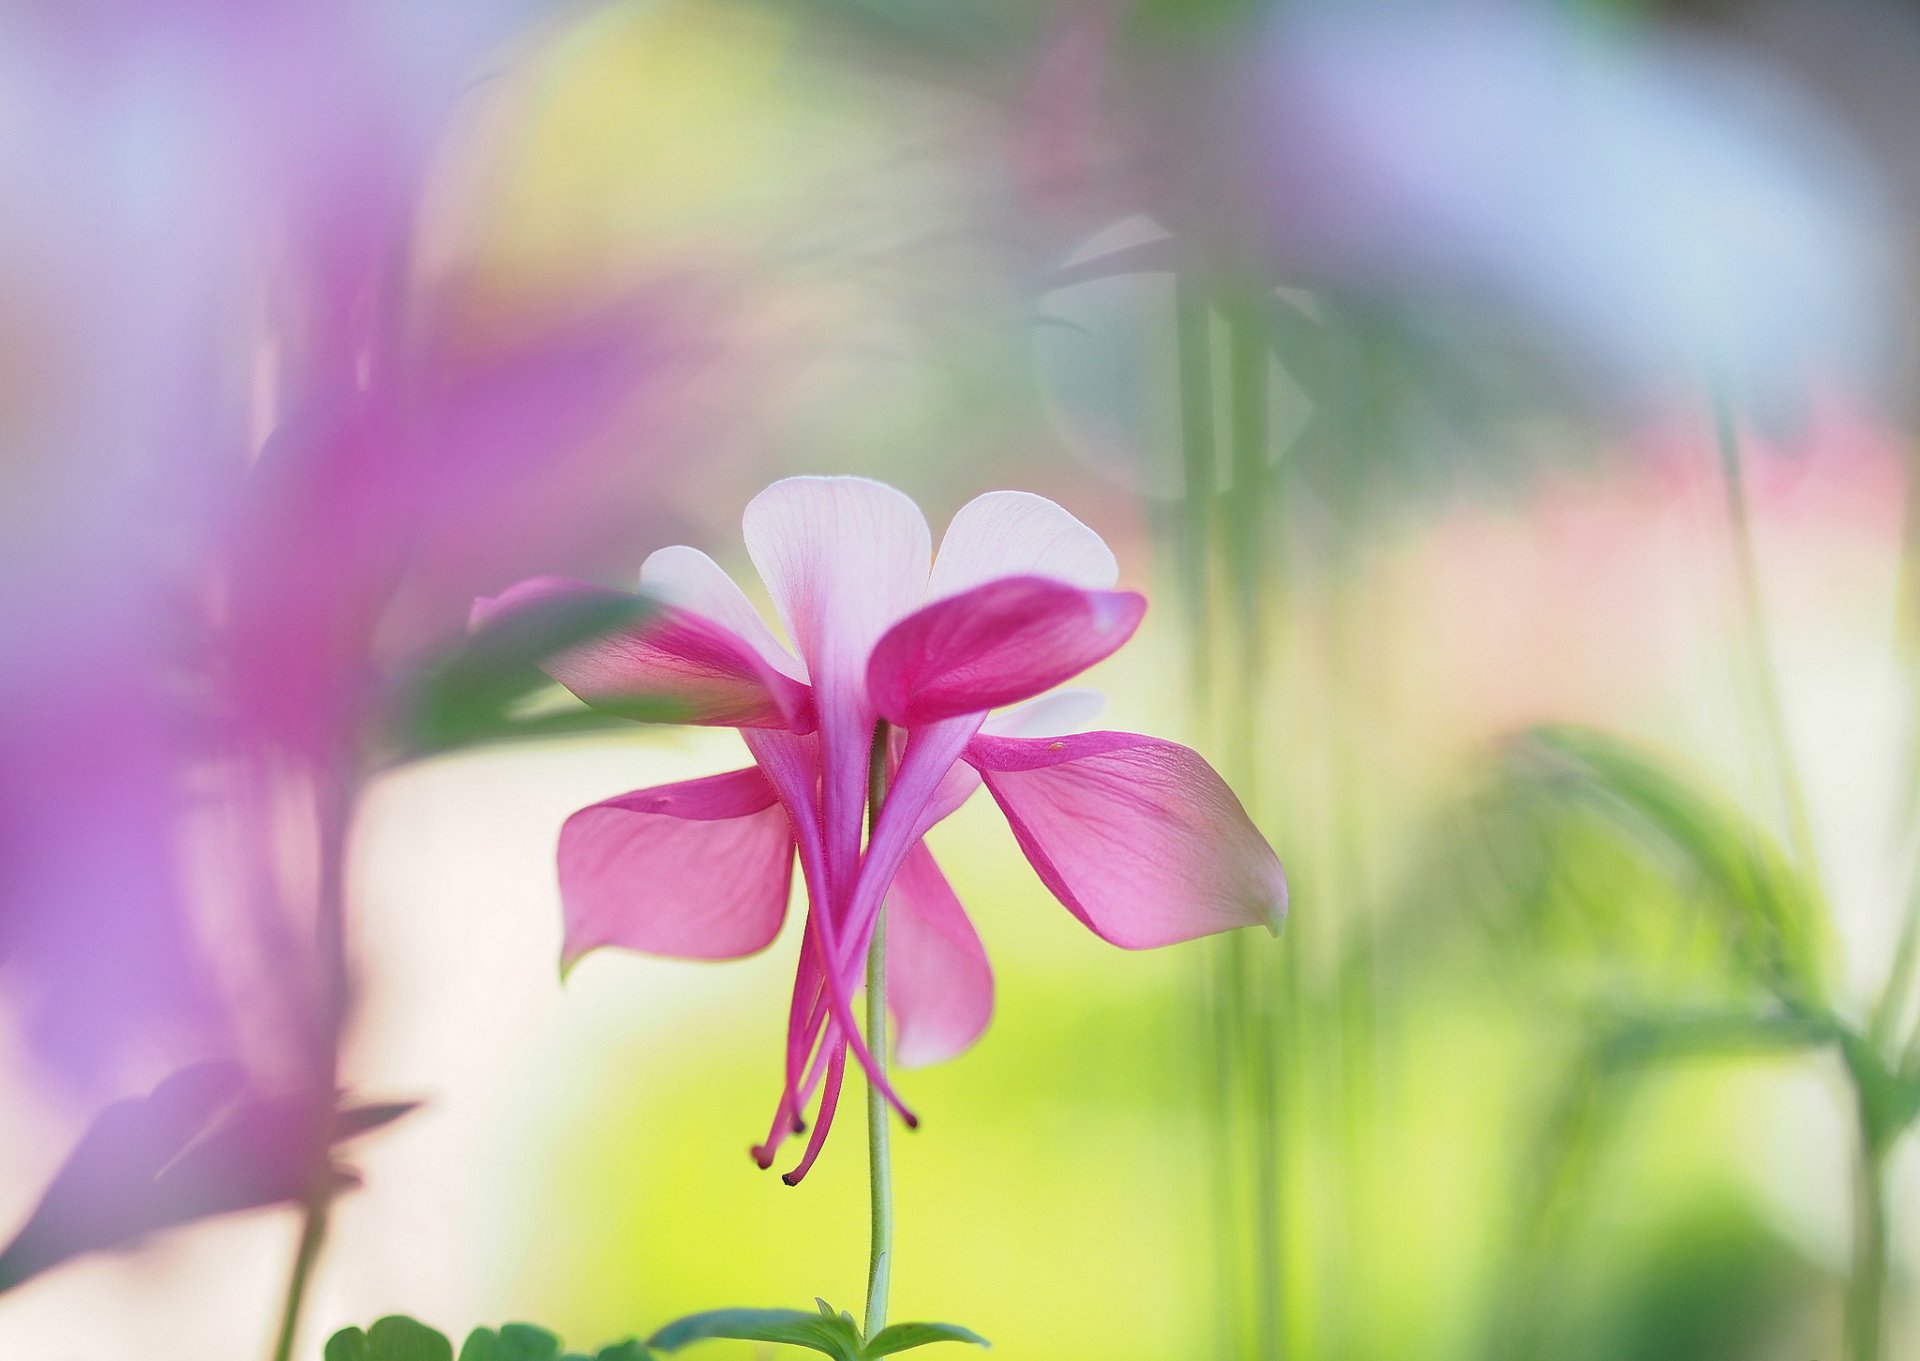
(264, 458)
(1139, 838)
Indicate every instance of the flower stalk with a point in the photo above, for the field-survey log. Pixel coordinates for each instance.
(879, 1156)
(332, 802)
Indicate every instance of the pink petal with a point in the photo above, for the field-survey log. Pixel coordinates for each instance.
(696, 870)
(1063, 711)
(1007, 640)
(695, 582)
(843, 558)
(1018, 534)
(1138, 838)
(672, 667)
(939, 985)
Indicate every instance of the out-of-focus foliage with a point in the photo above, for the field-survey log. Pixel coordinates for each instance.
(399, 1338)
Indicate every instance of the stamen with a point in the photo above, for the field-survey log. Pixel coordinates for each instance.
(829, 1102)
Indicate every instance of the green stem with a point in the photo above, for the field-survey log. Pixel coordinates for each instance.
(313, 1234)
(1867, 1288)
(1754, 629)
(1193, 322)
(879, 1159)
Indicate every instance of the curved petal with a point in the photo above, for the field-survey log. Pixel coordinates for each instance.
(1018, 534)
(696, 870)
(673, 666)
(1138, 838)
(1063, 711)
(939, 984)
(1007, 640)
(686, 577)
(843, 557)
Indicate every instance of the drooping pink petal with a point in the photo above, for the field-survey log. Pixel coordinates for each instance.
(696, 870)
(939, 985)
(1014, 534)
(1138, 838)
(673, 666)
(1007, 640)
(1063, 711)
(686, 577)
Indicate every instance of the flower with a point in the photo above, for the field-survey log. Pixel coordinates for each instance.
(1139, 838)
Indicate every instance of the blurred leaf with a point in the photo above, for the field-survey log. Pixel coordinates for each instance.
(1716, 1283)
(630, 1350)
(394, 1338)
(198, 1145)
(469, 695)
(837, 1337)
(1644, 1039)
(349, 1344)
(513, 1342)
(903, 1336)
(1769, 917)
(1889, 1098)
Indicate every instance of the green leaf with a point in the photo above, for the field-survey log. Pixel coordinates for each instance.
(903, 1336)
(836, 1337)
(469, 695)
(349, 1344)
(513, 1342)
(630, 1350)
(399, 1338)
(1770, 916)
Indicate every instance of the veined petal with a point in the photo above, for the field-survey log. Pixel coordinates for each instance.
(674, 666)
(1007, 640)
(1138, 838)
(1016, 534)
(695, 870)
(939, 984)
(1063, 711)
(686, 577)
(843, 557)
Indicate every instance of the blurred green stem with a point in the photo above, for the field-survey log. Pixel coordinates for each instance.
(1193, 315)
(1867, 1288)
(879, 1159)
(1757, 654)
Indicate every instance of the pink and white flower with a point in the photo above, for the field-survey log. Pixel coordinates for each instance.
(1139, 838)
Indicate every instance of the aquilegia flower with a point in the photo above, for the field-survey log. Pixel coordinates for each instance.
(1138, 838)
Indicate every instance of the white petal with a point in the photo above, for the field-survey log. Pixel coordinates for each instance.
(688, 578)
(1015, 533)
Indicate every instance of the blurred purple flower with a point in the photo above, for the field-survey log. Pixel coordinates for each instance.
(1660, 208)
(258, 462)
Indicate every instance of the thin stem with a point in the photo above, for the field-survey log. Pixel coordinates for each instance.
(1249, 368)
(879, 1159)
(330, 936)
(313, 1234)
(1193, 320)
(1867, 1287)
(1754, 629)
